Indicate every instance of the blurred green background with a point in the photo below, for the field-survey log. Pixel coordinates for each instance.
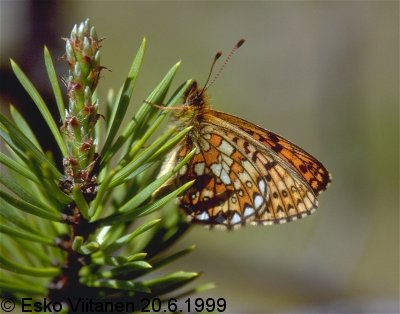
(322, 74)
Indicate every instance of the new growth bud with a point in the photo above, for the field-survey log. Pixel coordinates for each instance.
(83, 57)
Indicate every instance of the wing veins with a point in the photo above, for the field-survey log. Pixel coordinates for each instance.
(245, 190)
(262, 147)
(265, 198)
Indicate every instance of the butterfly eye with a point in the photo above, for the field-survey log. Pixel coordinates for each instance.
(198, 100)
(195, 98)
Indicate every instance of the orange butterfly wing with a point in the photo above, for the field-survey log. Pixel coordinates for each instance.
(228, 189)
(313, 172)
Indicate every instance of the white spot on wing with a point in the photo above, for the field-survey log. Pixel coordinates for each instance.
(301, 207)
(228, 160)
(235, 219)
(216, 169)
(244, 176)
(281, 185)
(307, 203)
(225, 177)
(194, 195)
(248, 166)
(204, 144)
(248, 211)
(203, 216)
(258, 201)
(261, 186)
(226, 148)
(183, 170)
(199, 168)
(207, 193)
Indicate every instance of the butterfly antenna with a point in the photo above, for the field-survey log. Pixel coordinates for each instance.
(236, 47)
(217, 56)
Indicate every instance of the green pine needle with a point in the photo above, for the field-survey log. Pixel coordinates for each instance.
(40, 104)
(54, 82)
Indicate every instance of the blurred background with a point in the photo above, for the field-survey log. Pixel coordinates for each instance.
(322, 74)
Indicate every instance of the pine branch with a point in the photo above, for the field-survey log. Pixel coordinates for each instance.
(90, 230)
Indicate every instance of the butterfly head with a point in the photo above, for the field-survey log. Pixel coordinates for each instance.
(195, 96)
(195, 102)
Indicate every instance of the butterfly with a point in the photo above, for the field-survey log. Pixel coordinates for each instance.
(243, 173)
